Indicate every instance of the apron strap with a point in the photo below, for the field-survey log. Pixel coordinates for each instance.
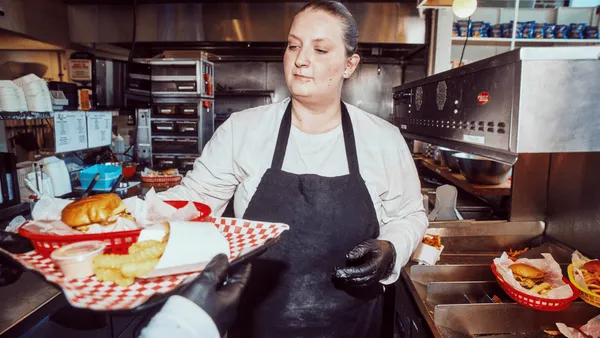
(284, 135)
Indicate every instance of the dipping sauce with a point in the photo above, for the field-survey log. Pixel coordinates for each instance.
(76, 260)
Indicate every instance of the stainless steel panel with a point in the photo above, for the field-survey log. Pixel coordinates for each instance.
(371, 90)
(508, 318)
(451, 273)
(529, 188)
(439, 293)
(143, 144)
(207, 123)
(243, 75)
(263, 22)
(110, 83)
(559, 105)
(493, 236)
(42, 20)
(573, 212)
(368, 89)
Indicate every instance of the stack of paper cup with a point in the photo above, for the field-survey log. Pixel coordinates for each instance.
(12, 98)
(37, 94)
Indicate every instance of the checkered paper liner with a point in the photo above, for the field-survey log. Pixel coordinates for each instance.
(89, 293)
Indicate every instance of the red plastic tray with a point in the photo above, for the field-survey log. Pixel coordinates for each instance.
(537, 303)
(117, 242)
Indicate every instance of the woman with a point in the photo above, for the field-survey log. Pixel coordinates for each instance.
(343, 180)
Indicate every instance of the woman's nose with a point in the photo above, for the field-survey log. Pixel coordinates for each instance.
(303, 58)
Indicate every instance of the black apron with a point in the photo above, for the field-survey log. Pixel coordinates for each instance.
(291, 292)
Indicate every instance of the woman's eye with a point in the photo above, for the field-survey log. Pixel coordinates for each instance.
(320, 51)
(293, 47)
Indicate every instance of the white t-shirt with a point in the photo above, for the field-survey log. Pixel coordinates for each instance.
(241, 150)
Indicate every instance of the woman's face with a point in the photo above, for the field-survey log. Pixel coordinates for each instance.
(315, 59)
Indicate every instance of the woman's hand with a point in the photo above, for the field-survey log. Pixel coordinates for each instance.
(216, 294)
(368, 263)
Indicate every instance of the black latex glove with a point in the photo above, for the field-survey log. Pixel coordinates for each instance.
(216, 294)
(368, 263)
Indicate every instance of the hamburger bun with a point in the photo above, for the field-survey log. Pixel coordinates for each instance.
(592, 266)
(169, 172)
(526, 271)
(93, 209)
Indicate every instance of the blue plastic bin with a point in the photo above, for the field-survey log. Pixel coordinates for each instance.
(108, 176)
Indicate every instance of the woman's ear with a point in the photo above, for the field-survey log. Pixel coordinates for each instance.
(351, 65)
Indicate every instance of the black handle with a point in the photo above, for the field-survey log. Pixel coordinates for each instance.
(91, 186)
(116, 185)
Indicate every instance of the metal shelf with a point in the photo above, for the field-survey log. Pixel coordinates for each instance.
(527, 41)
(191, 118)
(460, 181)
(175, 154)
(234, 93)
(25, 115)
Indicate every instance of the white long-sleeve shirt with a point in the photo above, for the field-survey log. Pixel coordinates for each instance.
(180, 318)
(241, 150)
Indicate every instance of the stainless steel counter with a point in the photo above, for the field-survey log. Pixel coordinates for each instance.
(454, 296)
(26, 302)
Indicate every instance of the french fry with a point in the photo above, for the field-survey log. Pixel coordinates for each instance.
(136, 247)
(540, 287)
(433, 240)
(122, 269)
(112, 275)
(138, 269)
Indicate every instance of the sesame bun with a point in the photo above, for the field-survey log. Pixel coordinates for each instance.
(93, 209)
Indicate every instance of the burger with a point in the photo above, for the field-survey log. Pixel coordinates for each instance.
(530, 278)
(103, 209)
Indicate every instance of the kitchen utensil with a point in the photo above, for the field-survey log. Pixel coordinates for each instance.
(446, 159)
(480, 170)
(445, 204)
(108, 175)
(90, 187)
(116, 184)
(43, 182)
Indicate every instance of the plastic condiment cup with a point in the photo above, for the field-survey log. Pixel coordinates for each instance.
(76, 260)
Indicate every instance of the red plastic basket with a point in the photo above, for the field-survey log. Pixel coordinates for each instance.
(537, 303)
(162, 179)
(116, 242)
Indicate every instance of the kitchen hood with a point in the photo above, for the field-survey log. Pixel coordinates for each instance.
(379, 22)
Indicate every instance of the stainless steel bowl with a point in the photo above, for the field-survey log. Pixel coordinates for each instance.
(480, 170)
(447, 160)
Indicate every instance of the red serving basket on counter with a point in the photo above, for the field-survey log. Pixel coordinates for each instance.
(162, 179)
(116, 242)
(537, 303)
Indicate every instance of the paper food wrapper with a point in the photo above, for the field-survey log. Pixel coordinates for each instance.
(190, 247)
(578, 260)
(591, 329)
(427, 254)
(47, 216)
(152, 209)
(552, 269)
